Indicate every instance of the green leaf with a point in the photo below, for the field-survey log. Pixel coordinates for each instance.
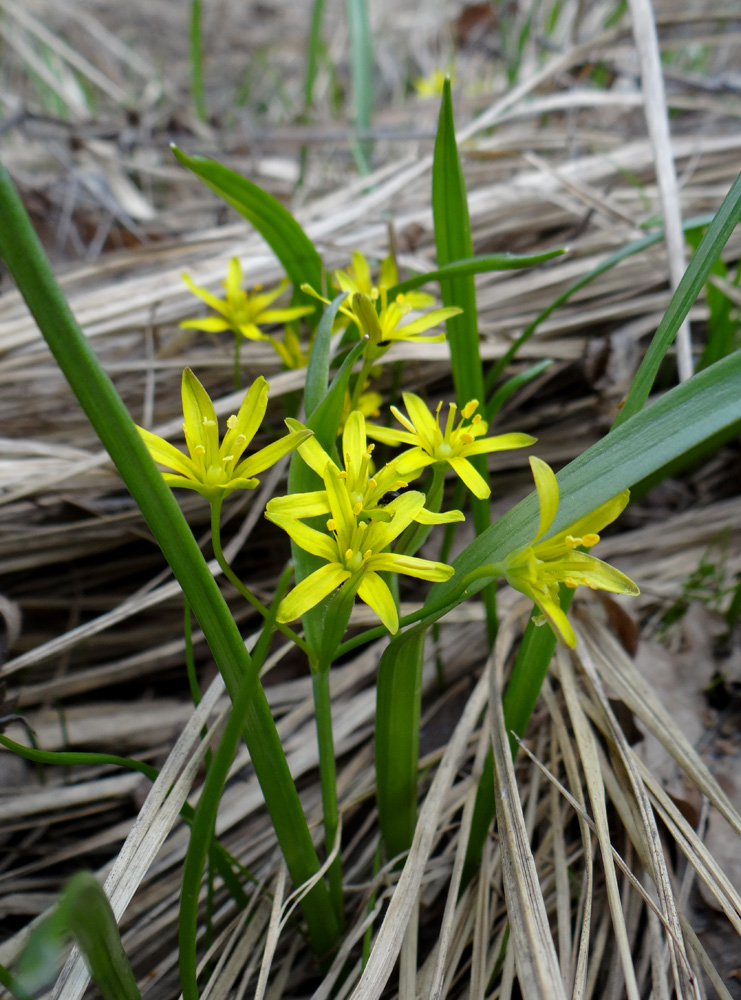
(313, 50)
(398, 702)
(325, 420)
(726, 219)
(682, 418)
(454, 244)
(317, 373)
(196, 60)
(84, 914)
(361, 66)
(481, 264)
(276, 225)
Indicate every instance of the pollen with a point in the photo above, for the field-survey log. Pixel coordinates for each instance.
(469, 409)
(331, 524)
(466, 437)
(232, 422)
(590, 540)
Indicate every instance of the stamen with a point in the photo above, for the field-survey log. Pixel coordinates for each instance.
(232, 422)
(589, 540)
(331, 524)
(469, 409)
(465, 437)
(199, 450)
(452, 410)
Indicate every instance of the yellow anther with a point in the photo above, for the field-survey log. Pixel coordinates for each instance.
(331, 524)
(348, 555)
(342, 475)
(589, 540)
(466, 438)
(469, 409)
(232, 422)
(371, 449)
(208, 423)
(357, 509)
(373, 484)
(368, 553)
(477, 419)
(570, 583)
(199, 450)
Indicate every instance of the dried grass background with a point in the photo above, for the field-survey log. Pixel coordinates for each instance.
(629, 780)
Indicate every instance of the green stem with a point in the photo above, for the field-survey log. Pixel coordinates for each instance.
(328, 776)
(237, 583)
(237, 370)
(360, 382)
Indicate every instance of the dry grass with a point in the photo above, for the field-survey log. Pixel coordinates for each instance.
(600, 844)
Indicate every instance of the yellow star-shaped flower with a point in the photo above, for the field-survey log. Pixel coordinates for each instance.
(537, 569)
(214, 470)
(355, 553)
(368, 492)
(451, 444)
(240, 311)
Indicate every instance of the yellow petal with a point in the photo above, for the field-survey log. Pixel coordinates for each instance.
(354, 442)
(592, 523)
(201, 427)
(271, 454)
(548, 496)
(205, 296)
(249, 418)
(475, 482)
(307, 538)
(500, 442)
(167, 454)
(311, 591)
(367, 317)
(300, 504)
(422, 569)
(427, 517)
(404, 510)
(424, 423)
(376, 595)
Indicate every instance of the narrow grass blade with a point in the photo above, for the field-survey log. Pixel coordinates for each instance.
(289, 242)
(317, 372)
(361, 63)
(196, 59)
(313, 49)
(511, 386)
(480, 264)
(398, 703)
(453, 242)
(84, 914)
(726, 219)
(25, 258)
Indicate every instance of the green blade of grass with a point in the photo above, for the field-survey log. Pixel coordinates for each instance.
(196, 59)
(84, 914)
(719, 230)
(453, 242)
(26, 261)
(361, 67)
(317, 372)
(313, 49)
(479, 264)
(276, 225)
(398, 702)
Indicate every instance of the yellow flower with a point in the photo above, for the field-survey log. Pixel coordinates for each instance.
(369, 493)
(354, 551)
(357, 279)
(454, 445)
(215, 470)
(537, 569)
(240, 311)
(432, 85)
(368, 404)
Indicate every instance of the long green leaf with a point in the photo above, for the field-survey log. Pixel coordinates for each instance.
(361, 66)
(313, 49)
(481, 264)
(276, 225)
(398, 702)
(317, 372)
(454, 244)
(84, 914)
(27, 262)
(693, 279)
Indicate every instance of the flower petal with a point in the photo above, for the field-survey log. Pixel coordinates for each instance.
(377, 595)
(423, 569)
(307, 538)
(285, 315)
(167, 454)
(339, 504)
(300, 504)
(427, 517)
(500, 442)
(205, 296)
(429, 320)
(210, 324)
(582, 568)
(589, 524)
(424, 423)
(476, 483)
(388, 435)
(311, 591)
(311, 451)
(404, 510)
(548, 495)
(271, 454)
(200, 423)
(249, 418)
(354, 442)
